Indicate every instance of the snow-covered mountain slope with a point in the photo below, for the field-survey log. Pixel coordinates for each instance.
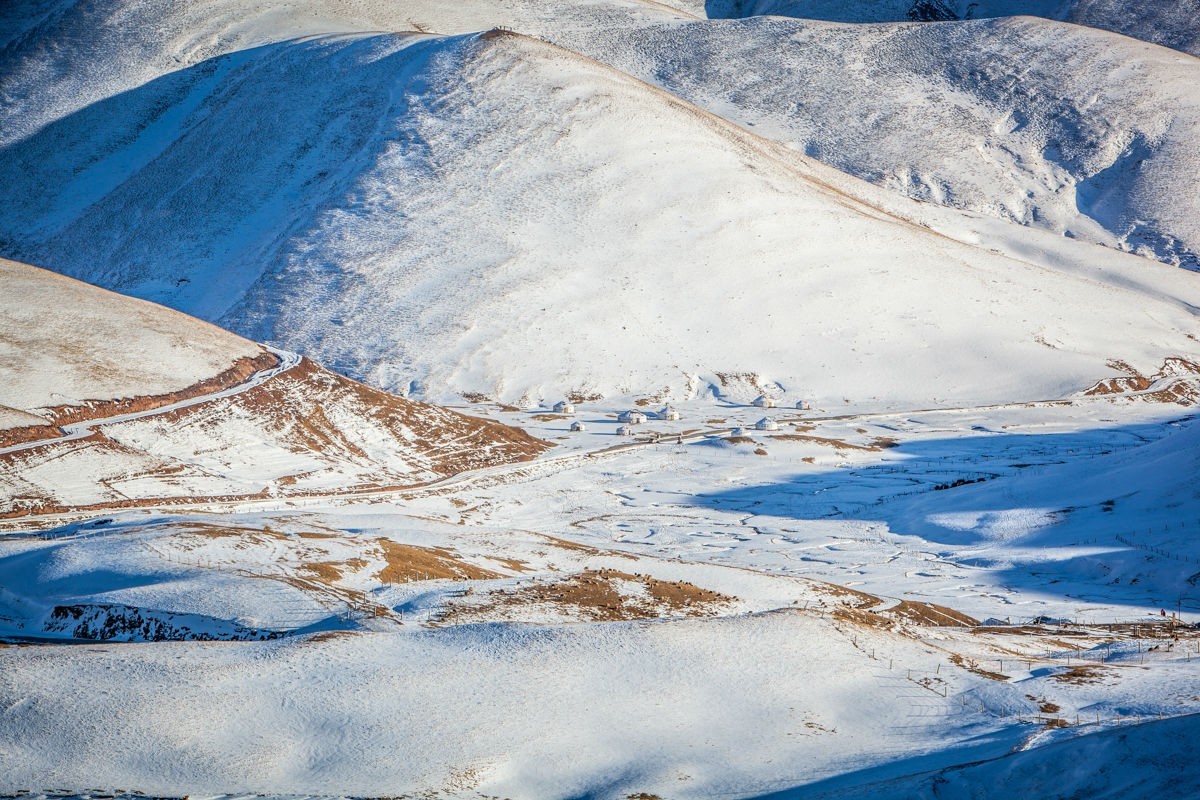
(69, 351)
(1055, 126)
(61, 56)
(325, 195)
(1051, 125)
(1171, 23)
(147, 409)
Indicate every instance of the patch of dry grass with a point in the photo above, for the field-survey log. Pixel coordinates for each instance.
(971, 666)
(407, 563)
(930, 614)
(603, 596)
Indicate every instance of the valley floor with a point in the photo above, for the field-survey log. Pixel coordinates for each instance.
(841, 598)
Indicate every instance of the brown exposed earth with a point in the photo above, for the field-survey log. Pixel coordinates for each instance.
(28, 433)
(1182, 390)
(930, 614)
(873, 447)
(971, 666)
(604, 595)
(452, 442)
(863, 617)
(407, 563)
(1081, 675)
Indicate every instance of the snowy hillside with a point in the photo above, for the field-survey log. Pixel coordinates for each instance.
(72, 352)
(1171, 24)
(1094, 139)
(65, 343)
(332, 184)
(1148, 760)
(824, 398)
(111, 402)
(1055, 126)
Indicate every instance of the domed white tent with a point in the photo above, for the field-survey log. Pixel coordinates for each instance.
(578, 426)
(564, 407)
(766, 424)
(633, 417)
(763, 401)
(668, 413)
(624, 430)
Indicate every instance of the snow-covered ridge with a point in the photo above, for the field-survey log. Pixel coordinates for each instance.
(1094, 138)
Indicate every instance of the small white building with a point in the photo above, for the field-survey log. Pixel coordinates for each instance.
(738, 433)
(624, 430)
(766, 424)
(763, 401)
(577, 426)
(668, 413)
(564, 407)
(804, 405)
(633, 417)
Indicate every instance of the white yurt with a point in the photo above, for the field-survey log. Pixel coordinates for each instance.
(804, 405)
(763, 401)
(624, 430)
(738, 433)
(564, 407)
(668, 413)
(578, 426)
(766, 424)
(633, 417)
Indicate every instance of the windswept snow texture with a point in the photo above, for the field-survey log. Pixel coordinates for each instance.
(1155, 759)
(1058, 127)
(469, 214)
(1067, 128)
(1171, 23)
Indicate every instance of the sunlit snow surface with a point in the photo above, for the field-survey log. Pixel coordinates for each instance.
(520, 216)
(1075, 505)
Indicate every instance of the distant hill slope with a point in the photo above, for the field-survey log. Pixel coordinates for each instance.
(1054, 126)
(1171, 24)
(471, 214)
(59, 56)
(112, 402)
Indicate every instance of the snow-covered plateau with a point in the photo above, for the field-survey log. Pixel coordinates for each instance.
(604, 399)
